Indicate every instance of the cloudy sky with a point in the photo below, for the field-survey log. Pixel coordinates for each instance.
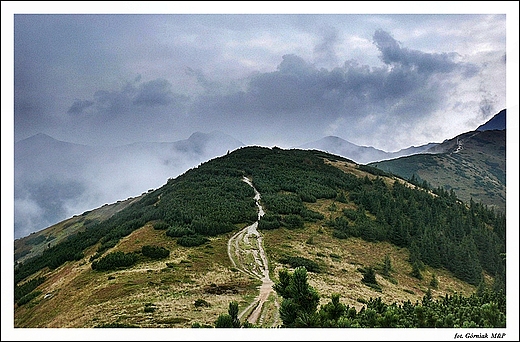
(115, 73)
(388, 81)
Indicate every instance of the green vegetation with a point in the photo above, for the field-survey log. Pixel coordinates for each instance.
(477, 172)
(114, 261)
(387, 266)
(439, 230)
(300, 300)
(229, 320)
(26, 288)
(201, 302)
(298, 261)
(299, 309)
(28, 297)
(270, 221)
(149, 307)
(434, 282)
(369, 276)
(192, 240)
(35, 240)
(212, 199)
(435, 227)
(155, 252)
(161, 225)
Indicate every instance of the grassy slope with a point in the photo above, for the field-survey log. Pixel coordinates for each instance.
(475, 172)
(340, 260)
(95, 298)
(35, 243)
(76, 296)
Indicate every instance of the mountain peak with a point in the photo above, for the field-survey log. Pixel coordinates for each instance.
(39, 137)
(498, 121)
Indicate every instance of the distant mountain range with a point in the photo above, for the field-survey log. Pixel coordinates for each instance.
(368, 154)
(55, 180)
(360, 154)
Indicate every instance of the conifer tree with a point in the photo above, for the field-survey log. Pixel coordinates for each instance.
(434, 283)
(387, 265)
(300, 300)
(370, 276)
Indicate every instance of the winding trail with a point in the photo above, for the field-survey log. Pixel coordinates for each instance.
(247, 255)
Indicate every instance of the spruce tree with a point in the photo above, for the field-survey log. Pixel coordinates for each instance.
(370, 276)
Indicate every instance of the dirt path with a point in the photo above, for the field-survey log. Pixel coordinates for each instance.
(247, 255)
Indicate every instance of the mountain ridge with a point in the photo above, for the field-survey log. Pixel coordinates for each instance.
(361, 154)
(321, 209)
(498, 121)
(473, 164)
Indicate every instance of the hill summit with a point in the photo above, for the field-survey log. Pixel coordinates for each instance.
(170, 258)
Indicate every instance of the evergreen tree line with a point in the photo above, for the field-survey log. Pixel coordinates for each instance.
(438, 230)
(24, 292)
(300, 309)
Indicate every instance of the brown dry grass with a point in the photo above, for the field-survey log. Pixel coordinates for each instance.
(85, 298)
(341, 273)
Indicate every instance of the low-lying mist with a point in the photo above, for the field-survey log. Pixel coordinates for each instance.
(56, 180)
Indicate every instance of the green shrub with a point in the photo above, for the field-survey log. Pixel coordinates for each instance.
(155, 252)
(113, 261)
(161, 226)
(22, 290)
(28, 297)
(149, 307)
(224, 321)
(293, 221)
(434, 283)
(179, 231)
(370, 276)
(269, 221)
(297, 261)
(192, 240)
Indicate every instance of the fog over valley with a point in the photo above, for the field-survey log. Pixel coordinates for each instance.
(55, 180)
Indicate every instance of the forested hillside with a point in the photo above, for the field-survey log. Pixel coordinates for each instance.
(437, 229)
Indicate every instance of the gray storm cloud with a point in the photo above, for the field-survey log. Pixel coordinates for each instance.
(79, 106)
(116, 102)
(154, 93)
(408, 86)
(393, 54)
(299, 75)
(301, 90)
